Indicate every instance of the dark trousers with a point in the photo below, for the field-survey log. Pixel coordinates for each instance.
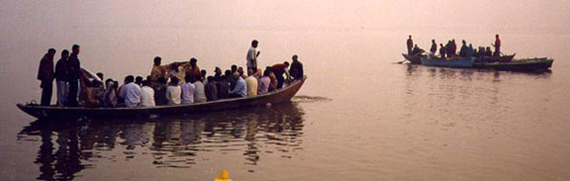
(47, 88)
(280, 81)
(72, 96)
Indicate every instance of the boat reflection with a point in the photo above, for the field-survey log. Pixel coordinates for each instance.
(69, 146)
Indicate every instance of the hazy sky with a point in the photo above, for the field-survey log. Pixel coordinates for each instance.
(491, 15)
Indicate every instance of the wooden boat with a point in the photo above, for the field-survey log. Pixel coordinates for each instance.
(527, 64)
(503, 58)
(414, 59)
(463, 62)
(282, 95)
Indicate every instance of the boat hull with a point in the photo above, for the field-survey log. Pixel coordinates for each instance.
(462, 62)
(413, 59)
(530, 64)
(282, 95)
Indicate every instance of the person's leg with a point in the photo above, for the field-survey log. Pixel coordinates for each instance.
(279, 81)
(47, 90)
(72, 96)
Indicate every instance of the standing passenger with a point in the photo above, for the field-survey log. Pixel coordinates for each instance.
(279, 70)
(296, 70)
(497, 46)
(61, 76)
(147, 95)
(251, 83)
(158, 71)
(74, 68)
(252, 55)
(433, 48)
(442, 51)
(188, 89)
(410, 44)
(46, 76)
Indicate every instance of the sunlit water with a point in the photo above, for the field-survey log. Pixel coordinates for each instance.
(359, 116)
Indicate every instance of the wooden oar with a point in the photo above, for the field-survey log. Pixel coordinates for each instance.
(401, 62)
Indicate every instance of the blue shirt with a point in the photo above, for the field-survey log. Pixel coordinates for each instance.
(240, 88)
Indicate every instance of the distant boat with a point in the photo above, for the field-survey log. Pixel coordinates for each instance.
(282, 95)
(460, 62)
(527, 64)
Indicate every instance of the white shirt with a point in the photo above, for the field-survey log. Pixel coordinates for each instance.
(188, 90)
(131, 92)
(264, 85)
(147, 97)
(173, 94)
(251, 83)
(251, 57)
(199, 93)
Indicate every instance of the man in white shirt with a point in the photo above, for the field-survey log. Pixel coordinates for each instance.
(131, 92)
(252, 55)
(199, 92)
(173, 92)
(147, 95)
(188, 90)
(264, 83)
(251, 83)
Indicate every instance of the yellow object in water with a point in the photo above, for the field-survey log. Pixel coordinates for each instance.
(224, 176)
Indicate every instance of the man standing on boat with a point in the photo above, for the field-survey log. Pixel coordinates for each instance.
(433, 48)
(410, 44)
(61, 76)
(74, 75)
(158, 71)
(252, 55)
(497, 46)
(46, 75)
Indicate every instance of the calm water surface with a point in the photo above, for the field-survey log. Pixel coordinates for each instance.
(359, 116)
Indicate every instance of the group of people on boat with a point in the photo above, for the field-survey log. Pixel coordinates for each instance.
(171, 84)
(450, 49)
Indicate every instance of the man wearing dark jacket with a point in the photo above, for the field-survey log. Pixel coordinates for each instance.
(62, 77)
(46, 75)
(74, 68)
(296, 70)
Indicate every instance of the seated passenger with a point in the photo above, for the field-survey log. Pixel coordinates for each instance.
(173, 92)
(147, 94)
(199, 93)
(251, 83)
(240, 90)
(188, 90)
(264, 83)
(160, 92)
(211, 89)
(131, 92)
(223, 87)
(110, 94)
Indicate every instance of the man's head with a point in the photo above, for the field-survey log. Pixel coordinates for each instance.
(157, 60)
(249, 72)
(174, 81)
(51, 52)
(234, 68)
(240, 71)
(139, 80)
(75, 49)
(254, 43)
(217, 70)
(193, 61)
(463, 41)
(410, 36)
(286, 63)
(496, 35)
(203, 72)
(294, 58)
(129, 79)
(109, 82)
(64, 53)
(433, 41)
(146, 83)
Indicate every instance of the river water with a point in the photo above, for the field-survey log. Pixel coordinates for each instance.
(359, 116)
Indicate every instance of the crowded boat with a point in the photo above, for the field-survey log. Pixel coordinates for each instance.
(176, 83)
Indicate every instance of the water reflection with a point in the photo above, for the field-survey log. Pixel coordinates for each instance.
(67, 147)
